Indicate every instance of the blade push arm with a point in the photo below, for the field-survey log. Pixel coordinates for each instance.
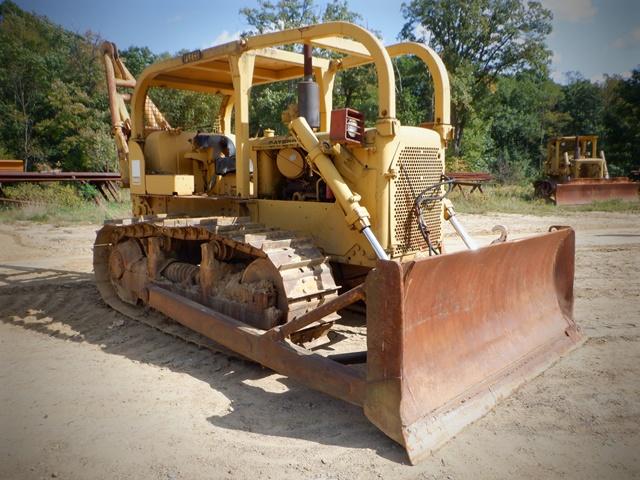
(356, 215)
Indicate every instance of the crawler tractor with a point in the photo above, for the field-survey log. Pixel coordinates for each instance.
(576, 174)
(268, 245)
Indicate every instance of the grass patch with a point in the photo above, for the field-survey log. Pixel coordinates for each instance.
(48, 213)
(50, 193)
(59, 203)
(520, 199)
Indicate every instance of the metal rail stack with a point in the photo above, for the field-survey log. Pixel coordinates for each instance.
(105, 182)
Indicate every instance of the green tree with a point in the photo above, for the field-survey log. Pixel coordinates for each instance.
(48, 74)
(269, 101)
(414, 91)
(583, 106)
(23, 80)
(354, 88)
(479, 40)
(138, 58)
(520, 117)
(282, 15)
(620, 122)
(478, 150)
(76, 137)
(185, 109)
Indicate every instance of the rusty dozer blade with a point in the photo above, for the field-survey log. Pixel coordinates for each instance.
(448, 336)
(579, 192)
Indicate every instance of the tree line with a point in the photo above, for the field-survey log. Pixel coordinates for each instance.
(54, 109)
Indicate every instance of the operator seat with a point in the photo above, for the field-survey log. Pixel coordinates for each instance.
(224, 150)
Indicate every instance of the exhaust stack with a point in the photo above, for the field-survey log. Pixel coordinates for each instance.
(309, 92)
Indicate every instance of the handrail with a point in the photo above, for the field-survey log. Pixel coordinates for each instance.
(438, 71)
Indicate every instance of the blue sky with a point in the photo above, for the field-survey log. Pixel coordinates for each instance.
(593, 37)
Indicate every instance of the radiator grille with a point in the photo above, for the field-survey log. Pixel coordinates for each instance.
(418, 167)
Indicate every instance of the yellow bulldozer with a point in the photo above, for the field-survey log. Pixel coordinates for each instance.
(267, 245)
(575, 173)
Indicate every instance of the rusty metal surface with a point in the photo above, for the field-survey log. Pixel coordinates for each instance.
(303, 275)
(470, 176)
(11, 166)
(337, 303)
(181, 272)
(11, 177)
(347, 126)
(242, 340)
(440, 351)
(585, 191)
(449, 335)
(101, 253)
(311, 369)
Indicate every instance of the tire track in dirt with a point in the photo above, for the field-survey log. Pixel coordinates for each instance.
(78, 308)
(75, 312)
(16, 238)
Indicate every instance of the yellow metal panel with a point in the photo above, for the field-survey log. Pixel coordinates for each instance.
(276, 59)
(164, 152)
(325, 79)
(136, 168)
(322, 221)
(418, 163)
(242, 68)
(342, 45)
(170, 184)
(185, 83)
(290, 163)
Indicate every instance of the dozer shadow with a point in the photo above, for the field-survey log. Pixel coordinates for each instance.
(12, 276)
(71, 299)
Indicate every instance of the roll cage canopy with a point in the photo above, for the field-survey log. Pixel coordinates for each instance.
(233, 68)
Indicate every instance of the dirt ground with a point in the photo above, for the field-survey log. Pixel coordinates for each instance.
(86, 393)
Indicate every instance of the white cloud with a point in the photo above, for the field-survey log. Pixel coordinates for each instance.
(601, 77)
(575, 11)
(175, 19)
(619, 43)
(558, 76)
(629, 40)
(420, 31)
(224, 37)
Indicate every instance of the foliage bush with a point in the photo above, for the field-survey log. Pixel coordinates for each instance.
(60, 203)
(59, 194)
(53, 101)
